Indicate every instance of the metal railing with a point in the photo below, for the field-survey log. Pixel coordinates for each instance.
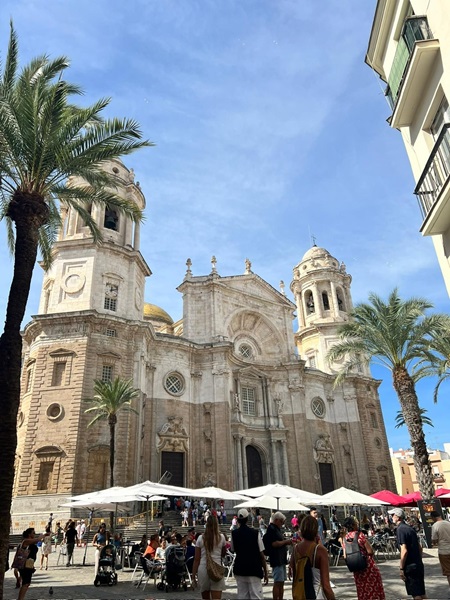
(435, 174)
(415, 29)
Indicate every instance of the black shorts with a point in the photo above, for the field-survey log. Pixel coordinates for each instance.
(26, 575)
(415, 580)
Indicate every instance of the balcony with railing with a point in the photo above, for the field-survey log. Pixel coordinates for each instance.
(433, 188)
(413, 60)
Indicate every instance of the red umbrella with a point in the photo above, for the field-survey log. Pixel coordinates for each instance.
(388, 496)
(411, 499)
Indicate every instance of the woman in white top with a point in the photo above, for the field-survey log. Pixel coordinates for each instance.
(215, 544)
(46, 548)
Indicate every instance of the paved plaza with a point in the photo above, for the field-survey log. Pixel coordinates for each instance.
(77, 583)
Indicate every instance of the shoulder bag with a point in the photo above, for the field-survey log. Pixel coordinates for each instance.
(20, 557)
(214, 570)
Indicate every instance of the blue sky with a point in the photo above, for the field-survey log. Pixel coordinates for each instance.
(269, 129)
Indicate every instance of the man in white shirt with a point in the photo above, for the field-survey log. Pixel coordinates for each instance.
(440, 536)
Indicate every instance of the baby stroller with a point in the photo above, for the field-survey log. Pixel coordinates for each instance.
(174, 574)
(106, 566)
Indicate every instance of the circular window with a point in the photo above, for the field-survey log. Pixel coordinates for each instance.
(245, 351)
(115, 170)
(174, 384)
(378, 442)
(55, 411)
(318, 407)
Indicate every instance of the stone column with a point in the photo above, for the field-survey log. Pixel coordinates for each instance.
(300, 310)
(273, 450)
(287, 480)
(244, 463)
(334, 301)
(137, 236)
(317, 302)
(238, 458)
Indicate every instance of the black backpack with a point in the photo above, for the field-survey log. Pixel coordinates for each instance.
(355, 559)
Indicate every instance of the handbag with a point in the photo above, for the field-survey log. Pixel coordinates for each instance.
(29, 563)
(20, 557)
(214, 570)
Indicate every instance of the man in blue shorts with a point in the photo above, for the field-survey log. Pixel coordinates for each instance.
(276, 548)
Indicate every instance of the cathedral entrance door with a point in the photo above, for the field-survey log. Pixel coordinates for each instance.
(174, 463)
(254, 467)
(326, 477)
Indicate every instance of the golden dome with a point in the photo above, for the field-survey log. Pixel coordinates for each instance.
(153, 312)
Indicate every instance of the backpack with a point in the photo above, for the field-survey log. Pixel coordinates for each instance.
(302, 579)
(355, 559)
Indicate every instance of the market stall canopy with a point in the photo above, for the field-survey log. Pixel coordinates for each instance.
(387, 496)
(290, 504)
(346, 497)
(277, 490)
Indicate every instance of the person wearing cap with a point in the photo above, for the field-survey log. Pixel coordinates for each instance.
(440, 537)
(276, 547)
(411, 564)
(250, 563)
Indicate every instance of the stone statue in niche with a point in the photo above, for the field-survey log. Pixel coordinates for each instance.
(310, 303)
(279, 404)
(237, 401)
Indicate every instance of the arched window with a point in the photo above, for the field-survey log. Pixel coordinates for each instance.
(310, 308)
(326, 304)
(111, 218)
(340, 300)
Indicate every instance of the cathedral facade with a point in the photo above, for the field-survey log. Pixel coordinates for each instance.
(229, 394)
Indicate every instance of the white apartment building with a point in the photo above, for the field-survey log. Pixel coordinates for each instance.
(409, 48)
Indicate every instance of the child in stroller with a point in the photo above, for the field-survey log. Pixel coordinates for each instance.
(174, 573)
(107, 566)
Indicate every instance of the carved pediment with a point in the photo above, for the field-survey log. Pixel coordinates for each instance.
(173, 437)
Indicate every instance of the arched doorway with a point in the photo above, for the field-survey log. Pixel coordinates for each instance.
(254, 467)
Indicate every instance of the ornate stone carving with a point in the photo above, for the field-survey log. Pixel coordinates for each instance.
(279, 404)
(346, 448)
(208, 434)
(323, 450)
(207, 407)
(209, 479)
(173, 436)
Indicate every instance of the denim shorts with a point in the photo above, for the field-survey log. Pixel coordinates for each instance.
(279, 573)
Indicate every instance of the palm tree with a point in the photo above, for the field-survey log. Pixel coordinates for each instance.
(392, 334)
(111, 397)
(400, 419)
(45, 139)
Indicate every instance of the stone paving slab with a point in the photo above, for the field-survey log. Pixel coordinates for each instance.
(76, 583)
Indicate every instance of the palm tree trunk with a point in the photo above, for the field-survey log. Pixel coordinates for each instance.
(112, 450)
(10, 361)
(406, 392)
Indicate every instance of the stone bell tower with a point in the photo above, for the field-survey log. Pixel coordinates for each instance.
(321, 287)
(108, 278)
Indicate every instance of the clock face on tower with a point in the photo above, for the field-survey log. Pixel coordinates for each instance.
(112, 290)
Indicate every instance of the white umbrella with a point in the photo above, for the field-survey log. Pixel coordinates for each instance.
(216, 493)
(277, 490)
(114, 494)
(273, 503)
(346, 497)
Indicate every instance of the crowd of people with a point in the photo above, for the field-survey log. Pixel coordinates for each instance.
(299, 553)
